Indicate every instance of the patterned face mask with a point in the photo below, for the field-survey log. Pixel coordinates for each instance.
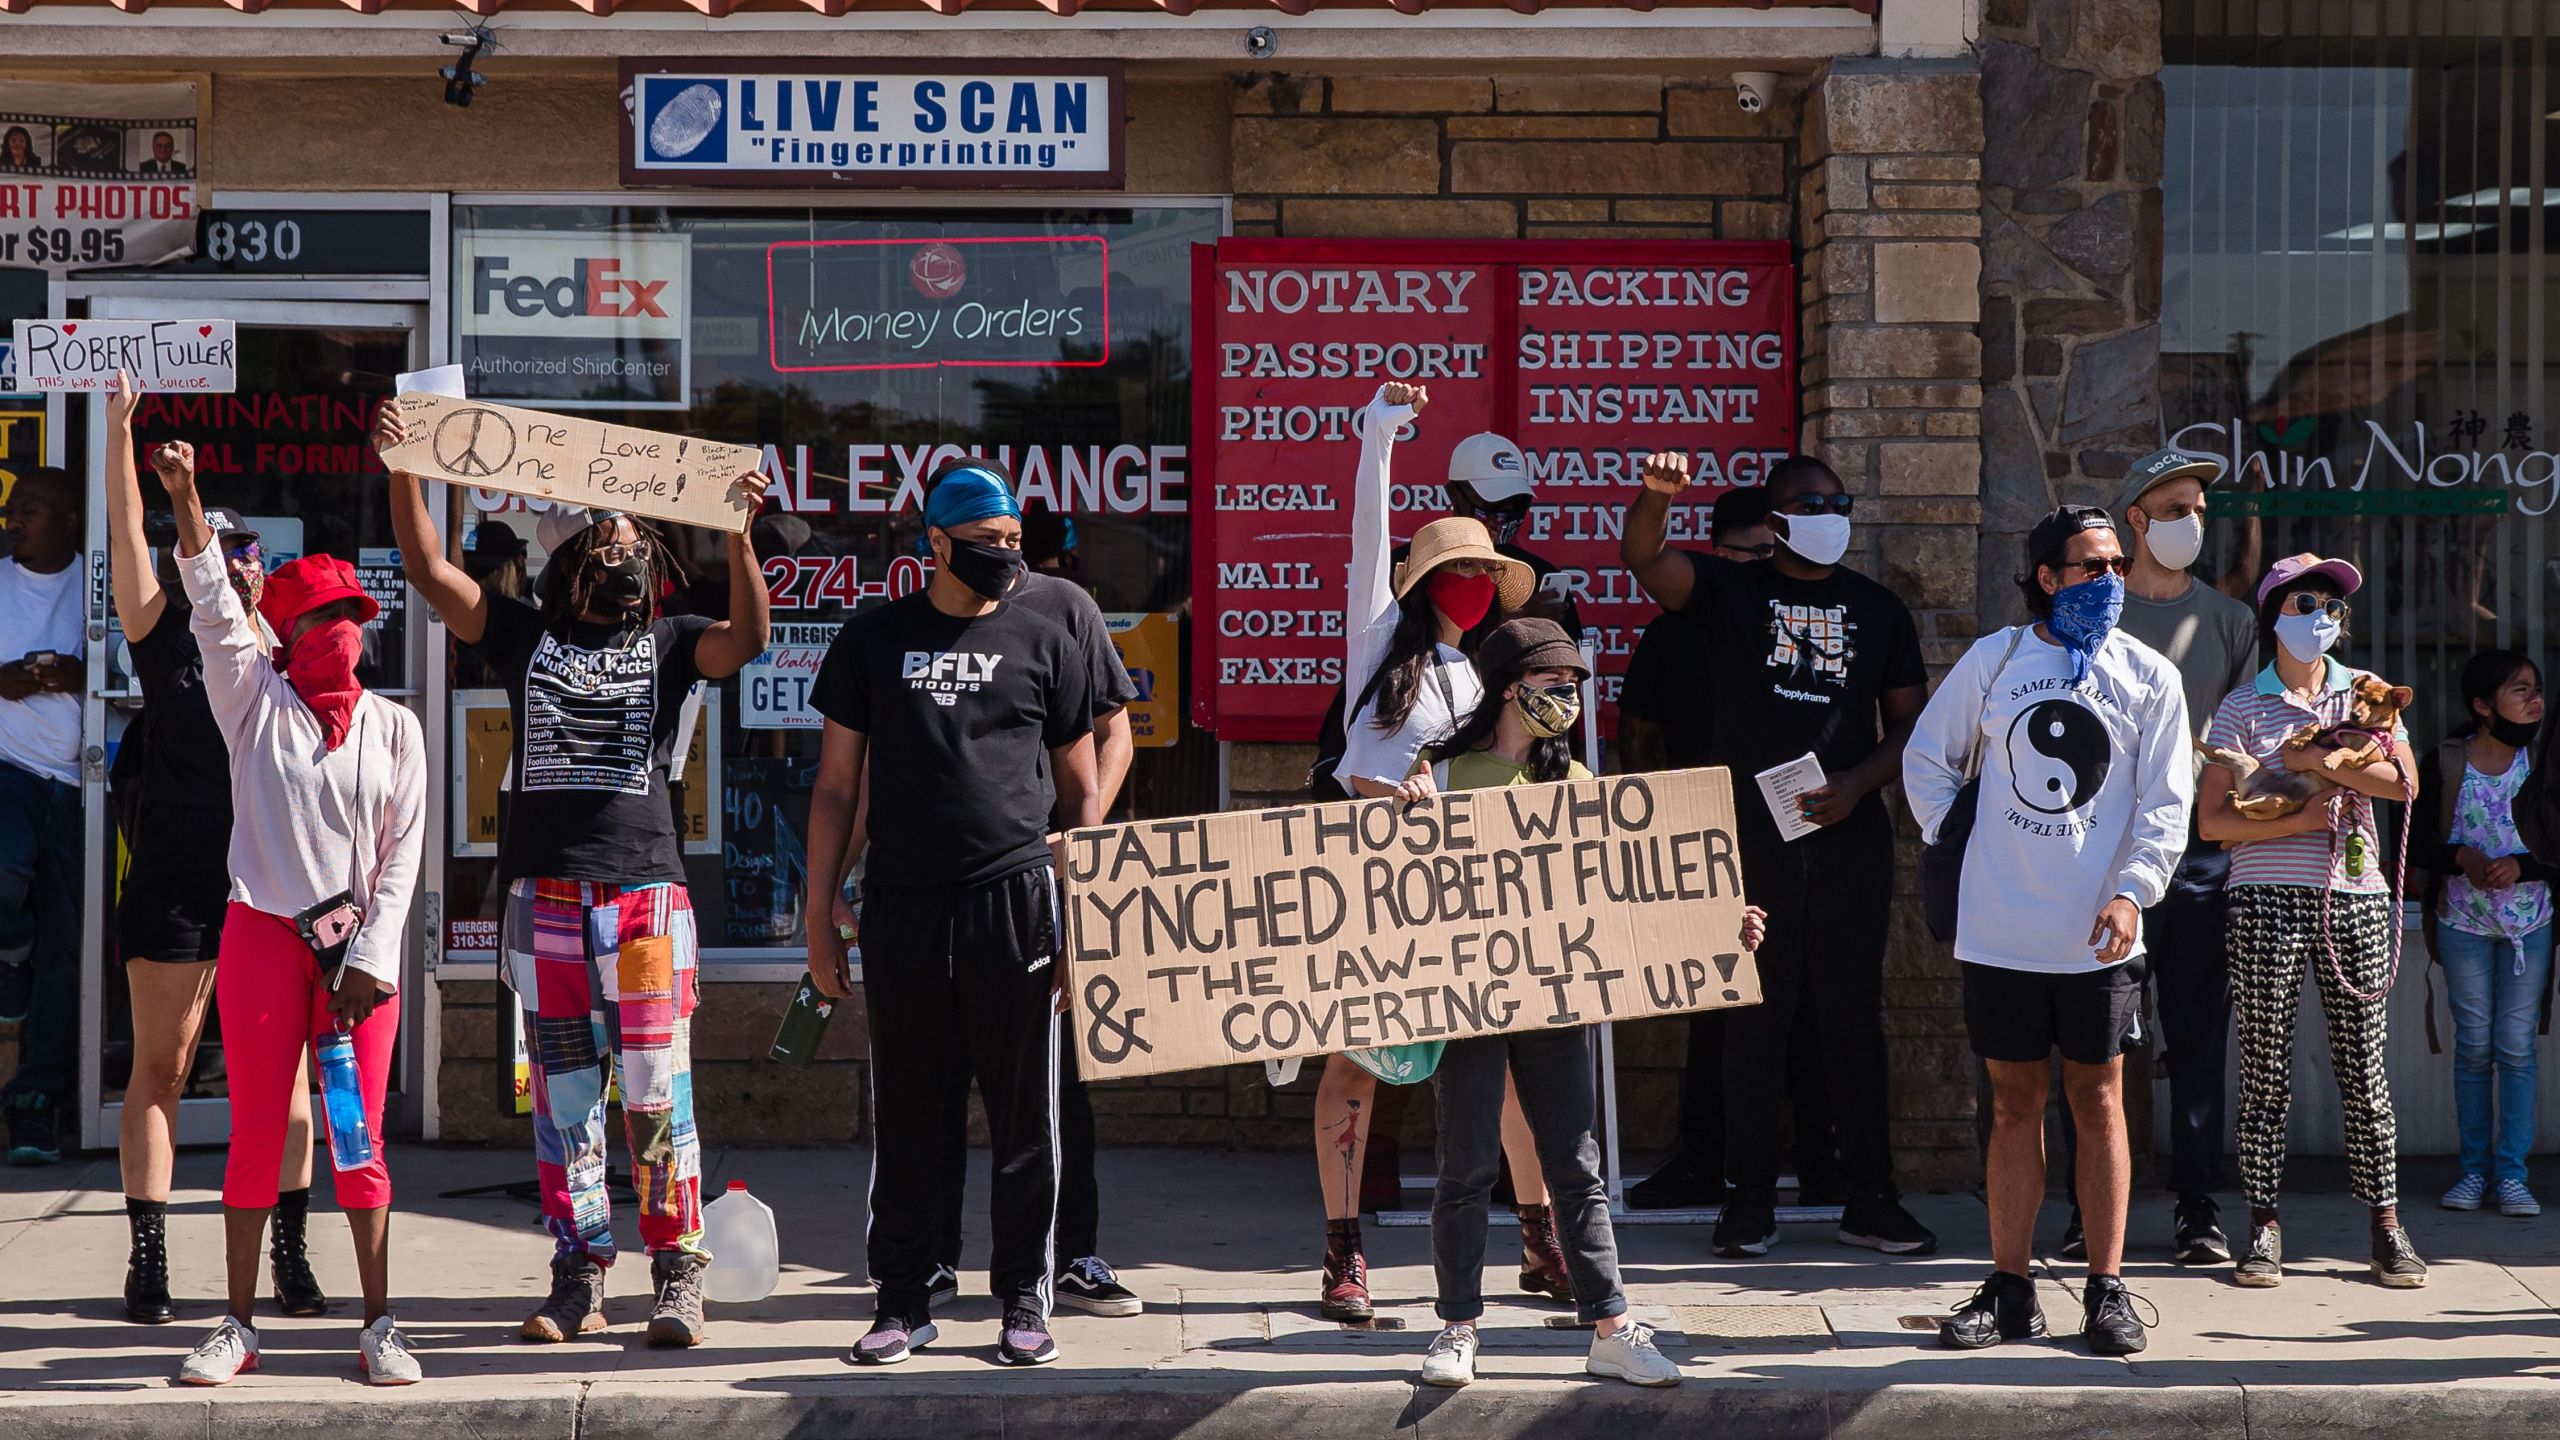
(1551, 711)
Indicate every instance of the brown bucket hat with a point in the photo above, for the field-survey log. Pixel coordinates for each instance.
(1460, 537)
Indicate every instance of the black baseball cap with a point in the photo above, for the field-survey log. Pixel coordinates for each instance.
(2055, 530)
(227, 526)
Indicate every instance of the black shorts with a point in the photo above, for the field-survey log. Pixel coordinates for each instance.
(2023, 1016)
(175, 894)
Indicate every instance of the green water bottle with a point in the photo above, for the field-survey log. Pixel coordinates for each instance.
(804, 1024)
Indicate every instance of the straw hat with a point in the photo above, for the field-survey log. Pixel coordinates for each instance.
(1459, 537)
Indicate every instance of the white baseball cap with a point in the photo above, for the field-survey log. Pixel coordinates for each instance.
(1493, 465)
(563, 523)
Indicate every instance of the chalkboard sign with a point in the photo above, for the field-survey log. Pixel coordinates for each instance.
(915, 304)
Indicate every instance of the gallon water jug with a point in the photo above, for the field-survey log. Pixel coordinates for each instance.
(746, 1255)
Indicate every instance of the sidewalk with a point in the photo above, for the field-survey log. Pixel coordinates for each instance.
(1813, 1340)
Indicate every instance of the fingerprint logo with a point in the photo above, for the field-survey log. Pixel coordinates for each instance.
(2059, 755)
(683, 121)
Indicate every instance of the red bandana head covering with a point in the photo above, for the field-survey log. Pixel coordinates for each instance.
(321, 662)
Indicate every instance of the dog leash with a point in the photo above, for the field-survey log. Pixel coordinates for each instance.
(2399, 883)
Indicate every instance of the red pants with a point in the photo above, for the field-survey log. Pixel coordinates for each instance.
(274, 1005)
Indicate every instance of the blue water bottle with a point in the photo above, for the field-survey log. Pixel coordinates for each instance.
(350, 1140)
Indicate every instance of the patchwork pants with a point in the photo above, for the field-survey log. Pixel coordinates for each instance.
(607, 978)
(2276, 931)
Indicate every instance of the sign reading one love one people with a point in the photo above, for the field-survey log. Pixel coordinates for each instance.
(1312, 929)
(677, 478)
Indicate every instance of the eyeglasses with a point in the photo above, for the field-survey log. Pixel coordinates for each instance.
(247, 552)
(614, 552)
(2092, 569)
(1817, 504)
(2312, 602)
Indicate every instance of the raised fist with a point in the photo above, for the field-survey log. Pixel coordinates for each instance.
(1666, 471)
(1396, 392)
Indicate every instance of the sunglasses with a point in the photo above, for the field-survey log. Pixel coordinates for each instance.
(1817, 504)
(2092, 569)
(614, 552)
(1761, 551)
(2312, 602)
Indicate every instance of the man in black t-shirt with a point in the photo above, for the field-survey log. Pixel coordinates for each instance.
(969, 718)
(598, 943)
(1790, 654)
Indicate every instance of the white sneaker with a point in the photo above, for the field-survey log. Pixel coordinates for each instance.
(230, 1351)
(2516, 1201)
(1629, 1355)
(1451, 1362)
(382, 1353)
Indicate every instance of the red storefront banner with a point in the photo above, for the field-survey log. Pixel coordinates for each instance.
(1589, 354)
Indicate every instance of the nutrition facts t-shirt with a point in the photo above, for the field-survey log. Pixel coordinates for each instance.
(961, 714)
(595, 714)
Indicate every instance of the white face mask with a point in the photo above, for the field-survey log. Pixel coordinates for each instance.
(1819, 539)
(2307, 637)
(2176, 543)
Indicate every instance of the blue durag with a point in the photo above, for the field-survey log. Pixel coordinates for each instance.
(969, 494)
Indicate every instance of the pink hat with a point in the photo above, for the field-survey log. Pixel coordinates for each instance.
(2293, 567)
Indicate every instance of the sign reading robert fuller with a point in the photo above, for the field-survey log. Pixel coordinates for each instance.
(1311, 929)
(871, 124)
(571, 321)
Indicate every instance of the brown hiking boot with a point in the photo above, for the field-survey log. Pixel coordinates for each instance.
(1346, 1273)
(576, 1306)
(676, 1323)
(1542, 1268)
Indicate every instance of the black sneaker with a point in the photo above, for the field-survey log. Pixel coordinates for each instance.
(1878, 1222)
(1686, 1181)
(2200, 1240)
(1749, 1226)
(943, 1284)
(2075, 1245)
(2263, 1267)
(2395, 1260)
(1024, 1340)
(17, 989)
(35, 1136)
(2004, 1308)
(1090, 1285)
(2109, 1324)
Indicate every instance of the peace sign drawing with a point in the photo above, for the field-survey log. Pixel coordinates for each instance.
(475, 443)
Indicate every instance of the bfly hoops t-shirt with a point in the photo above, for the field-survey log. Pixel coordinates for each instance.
(961, 714)
(595, 717)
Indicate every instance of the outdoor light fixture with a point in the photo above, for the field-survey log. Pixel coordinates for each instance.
(459, 78)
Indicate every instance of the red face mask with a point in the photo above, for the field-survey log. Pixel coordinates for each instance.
(1465, 599)
(321, 666)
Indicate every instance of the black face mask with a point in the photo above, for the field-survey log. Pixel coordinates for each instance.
(988, 570)
(2514, 733)
(625, 584)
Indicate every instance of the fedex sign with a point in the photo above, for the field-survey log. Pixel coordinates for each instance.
(574, 321)
(592, 287)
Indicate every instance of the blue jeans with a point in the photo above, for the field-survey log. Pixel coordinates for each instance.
(40, 926)
(2496, 1012)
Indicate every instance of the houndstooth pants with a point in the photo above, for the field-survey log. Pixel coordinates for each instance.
(2275, 932)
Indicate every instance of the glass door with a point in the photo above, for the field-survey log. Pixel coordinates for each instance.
(289, 451)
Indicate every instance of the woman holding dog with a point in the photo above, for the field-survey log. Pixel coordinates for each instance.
(2310, 886)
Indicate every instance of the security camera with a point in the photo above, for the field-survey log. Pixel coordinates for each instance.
(1753, 90)
(1259, 42)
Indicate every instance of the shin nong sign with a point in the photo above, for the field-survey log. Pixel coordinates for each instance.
(871, 125)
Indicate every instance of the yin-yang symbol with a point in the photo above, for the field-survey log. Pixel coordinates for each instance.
(2058, 756)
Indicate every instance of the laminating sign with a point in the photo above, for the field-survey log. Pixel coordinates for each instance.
(574, 321)
(1028, 301)
(871, 125)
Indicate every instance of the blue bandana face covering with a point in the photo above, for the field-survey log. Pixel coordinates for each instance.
(969, 494)
(2082, 616)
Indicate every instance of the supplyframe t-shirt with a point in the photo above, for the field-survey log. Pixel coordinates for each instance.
(961, 713)
(595, 716)
(1783, 666)
(1065, 604)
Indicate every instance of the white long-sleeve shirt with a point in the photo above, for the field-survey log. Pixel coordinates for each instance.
(309, 822)
(2085, 792)
(1450, 691)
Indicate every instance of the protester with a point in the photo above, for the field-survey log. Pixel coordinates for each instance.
(42, 645)
(1084, 1280)
(1800, 654)
(1662, 725)
(1489, 484)
(329, 799)
(1533, 675)
(974, 715)
(2489, 913)
(2312, 888)
(177, 883)
(599, 945)
(2078, 735)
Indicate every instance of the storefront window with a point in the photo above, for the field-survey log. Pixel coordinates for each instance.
(2358, 314)
(861, 349)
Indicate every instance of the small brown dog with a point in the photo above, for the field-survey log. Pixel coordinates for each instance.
(2271, 792)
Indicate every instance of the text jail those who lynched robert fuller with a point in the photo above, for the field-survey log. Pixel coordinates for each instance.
(1311, 929)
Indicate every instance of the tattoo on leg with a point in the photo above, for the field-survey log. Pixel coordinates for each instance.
(1347, 1143)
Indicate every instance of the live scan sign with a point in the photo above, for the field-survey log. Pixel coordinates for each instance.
(874, 125)
(1590, 355)
(1312, 929)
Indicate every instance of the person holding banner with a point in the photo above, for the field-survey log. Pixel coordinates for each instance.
(169, 911)
(2069, 739)
(329, 799)
(598, 941)
(971, 718)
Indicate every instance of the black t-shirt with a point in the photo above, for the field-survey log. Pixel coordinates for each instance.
(961, 714)
(1656, 690)
(186, 766)
(1065, 604)
(595, 715)
(1768, 668)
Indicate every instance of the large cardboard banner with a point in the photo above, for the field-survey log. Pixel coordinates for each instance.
(1311, 929)
(585, 462)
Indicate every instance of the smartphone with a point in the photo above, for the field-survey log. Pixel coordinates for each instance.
(38, 659)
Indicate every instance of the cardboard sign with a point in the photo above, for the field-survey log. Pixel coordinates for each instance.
(202, 356)
(1312, 929)
(585, 462)
(1589, 354)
